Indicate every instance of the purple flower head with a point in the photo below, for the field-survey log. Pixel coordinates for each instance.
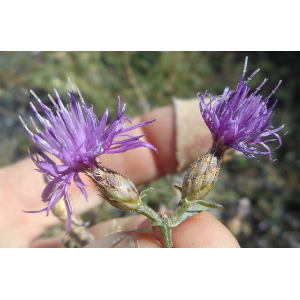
(240, 122)
(76, 136)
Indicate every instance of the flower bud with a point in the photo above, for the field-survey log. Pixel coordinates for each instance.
(200, 177)
(116, 189)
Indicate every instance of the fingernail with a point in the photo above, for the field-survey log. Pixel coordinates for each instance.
(123, 239)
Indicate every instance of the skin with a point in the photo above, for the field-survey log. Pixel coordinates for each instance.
(21, 188)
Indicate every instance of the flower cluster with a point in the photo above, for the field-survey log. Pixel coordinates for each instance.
(240, 122)
(76, 137)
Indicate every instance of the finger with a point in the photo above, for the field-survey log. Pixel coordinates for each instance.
(108, 227)
(21, 188)
(126, 239)
(109, 234)
(119, 233)
(200, 231)
(52, 242)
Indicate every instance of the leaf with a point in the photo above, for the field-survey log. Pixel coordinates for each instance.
(193, 210)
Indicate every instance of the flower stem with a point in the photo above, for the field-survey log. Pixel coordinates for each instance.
(160, 221)
(145, 210)
(181, 208)
(166, 231)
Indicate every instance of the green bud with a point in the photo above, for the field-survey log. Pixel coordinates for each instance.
(200, 177)
(116, 189)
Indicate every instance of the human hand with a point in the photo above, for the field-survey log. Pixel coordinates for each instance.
(21, 186)
(200, 231)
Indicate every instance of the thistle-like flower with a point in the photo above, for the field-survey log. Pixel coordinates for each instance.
(200, 177)
(76, 137)
(240, 122)
(115, 188)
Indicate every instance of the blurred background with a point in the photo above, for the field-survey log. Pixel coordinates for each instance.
(261, 200)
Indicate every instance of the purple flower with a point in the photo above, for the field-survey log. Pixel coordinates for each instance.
(240, 122)
(76, 138)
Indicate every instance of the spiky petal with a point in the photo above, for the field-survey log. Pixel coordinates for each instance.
(76, 137)
(239, 121)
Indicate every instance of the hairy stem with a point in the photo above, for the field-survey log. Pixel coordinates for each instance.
(181, 208)
(160, 221)
(145, 210)
(166, 231)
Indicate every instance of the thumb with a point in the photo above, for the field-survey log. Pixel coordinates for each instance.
(126, 239)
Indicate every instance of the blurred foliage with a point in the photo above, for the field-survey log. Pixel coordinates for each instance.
(145, 80)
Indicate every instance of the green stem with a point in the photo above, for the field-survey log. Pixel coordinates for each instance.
(181, 208)
(145, 210)
(162, 222)
(166, 231)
